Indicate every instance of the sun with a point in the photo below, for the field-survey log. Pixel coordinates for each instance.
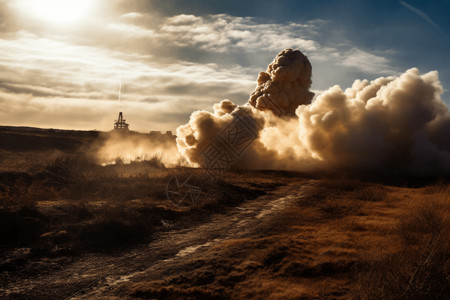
(57, 11)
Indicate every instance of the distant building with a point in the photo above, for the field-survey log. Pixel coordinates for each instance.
(120, 124)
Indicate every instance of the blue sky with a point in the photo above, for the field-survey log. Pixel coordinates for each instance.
(176, 56)
(408, 33)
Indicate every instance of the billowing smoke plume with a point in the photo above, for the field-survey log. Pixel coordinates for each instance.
(394, 125)
(285, 85)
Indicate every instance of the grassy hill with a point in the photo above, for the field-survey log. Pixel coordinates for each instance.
(65, 220)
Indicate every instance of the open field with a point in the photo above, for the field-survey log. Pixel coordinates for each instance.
(71, 228)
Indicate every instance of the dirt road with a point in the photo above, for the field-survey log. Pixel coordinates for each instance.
(297, 241)
(92, 276)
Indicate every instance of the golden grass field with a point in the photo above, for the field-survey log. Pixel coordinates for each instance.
(71, 228)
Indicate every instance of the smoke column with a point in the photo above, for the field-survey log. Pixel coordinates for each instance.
(395, 125)
(120, 92)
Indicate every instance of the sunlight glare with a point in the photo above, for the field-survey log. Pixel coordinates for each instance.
(57, 11)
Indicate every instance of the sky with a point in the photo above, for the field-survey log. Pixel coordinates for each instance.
(62, 62)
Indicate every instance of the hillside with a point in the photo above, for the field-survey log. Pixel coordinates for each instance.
(72, 228)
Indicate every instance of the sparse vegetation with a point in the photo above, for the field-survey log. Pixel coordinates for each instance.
(419, 265)
(335, 238)
(103, 207)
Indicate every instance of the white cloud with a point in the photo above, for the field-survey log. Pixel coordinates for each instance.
(367, 62)
(224, 34)
(40, 77)
(131, 16)
(162, 66)
(131, 30)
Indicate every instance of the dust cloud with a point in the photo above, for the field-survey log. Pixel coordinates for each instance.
(117, 147)
(393, 125)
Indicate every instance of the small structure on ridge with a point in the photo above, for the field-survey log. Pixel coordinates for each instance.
(120, 124)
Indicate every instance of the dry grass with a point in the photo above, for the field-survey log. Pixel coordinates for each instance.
(77, 177)
(418, 267)
(335, 241)
(76, 180)
(93, 207)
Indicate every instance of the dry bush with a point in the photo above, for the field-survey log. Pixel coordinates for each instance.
(99, 228)
(21, 227)
(102, 207)
(46, 182)
(191, 188)
(79, 177)
(204, 191)
(420, 267)
(181, 162)
(114, 188)
(21, 194)
(114, 225)
(17, 193)
(76, 178)
(210, 199)
(156, 161)
(69, 167)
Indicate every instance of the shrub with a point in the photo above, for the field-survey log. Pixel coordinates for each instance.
(21, 227)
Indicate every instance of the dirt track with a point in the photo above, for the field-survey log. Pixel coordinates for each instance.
(306, 239)
(94, 276)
